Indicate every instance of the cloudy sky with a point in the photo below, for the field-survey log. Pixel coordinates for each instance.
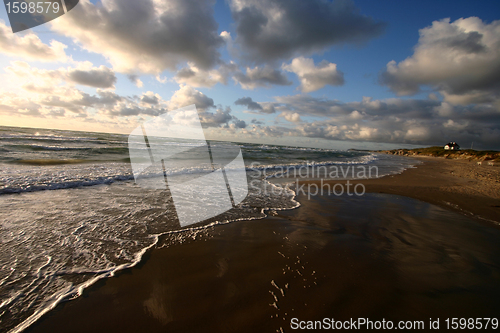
(339, 74)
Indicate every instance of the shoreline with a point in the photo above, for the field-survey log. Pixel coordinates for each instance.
(435, 181)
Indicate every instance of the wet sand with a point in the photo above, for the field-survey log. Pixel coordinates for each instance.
(379, 256)
(460, 185)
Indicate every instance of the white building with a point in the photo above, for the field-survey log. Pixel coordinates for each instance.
(452, 146)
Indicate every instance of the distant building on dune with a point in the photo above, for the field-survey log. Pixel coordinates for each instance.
(452, 146)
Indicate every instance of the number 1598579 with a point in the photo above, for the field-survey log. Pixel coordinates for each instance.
(471, 323)
(33, 7)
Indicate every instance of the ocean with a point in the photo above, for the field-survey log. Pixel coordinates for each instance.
(71, 212)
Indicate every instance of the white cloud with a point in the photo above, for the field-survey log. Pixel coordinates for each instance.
(433, 97)
(293, 117)
(42, 80)
(393, 120)
(417, 133)
(460, 59)
(146, 36)
(29, 46)
(444, 109)
(51, 97)
(52, 94)
(187, 95)
(356, 115)
(313, 77)
(456, 125)
(226, 36)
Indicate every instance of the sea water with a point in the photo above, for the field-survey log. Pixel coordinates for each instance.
(71, 213)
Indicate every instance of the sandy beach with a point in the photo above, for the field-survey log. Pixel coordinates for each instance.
(249, 166)
(420, 245)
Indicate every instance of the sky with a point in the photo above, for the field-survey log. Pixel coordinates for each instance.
(335, 74)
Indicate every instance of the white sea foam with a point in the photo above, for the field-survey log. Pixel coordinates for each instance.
(95, 221)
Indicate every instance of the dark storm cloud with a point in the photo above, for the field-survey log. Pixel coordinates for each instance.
(270, 30)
